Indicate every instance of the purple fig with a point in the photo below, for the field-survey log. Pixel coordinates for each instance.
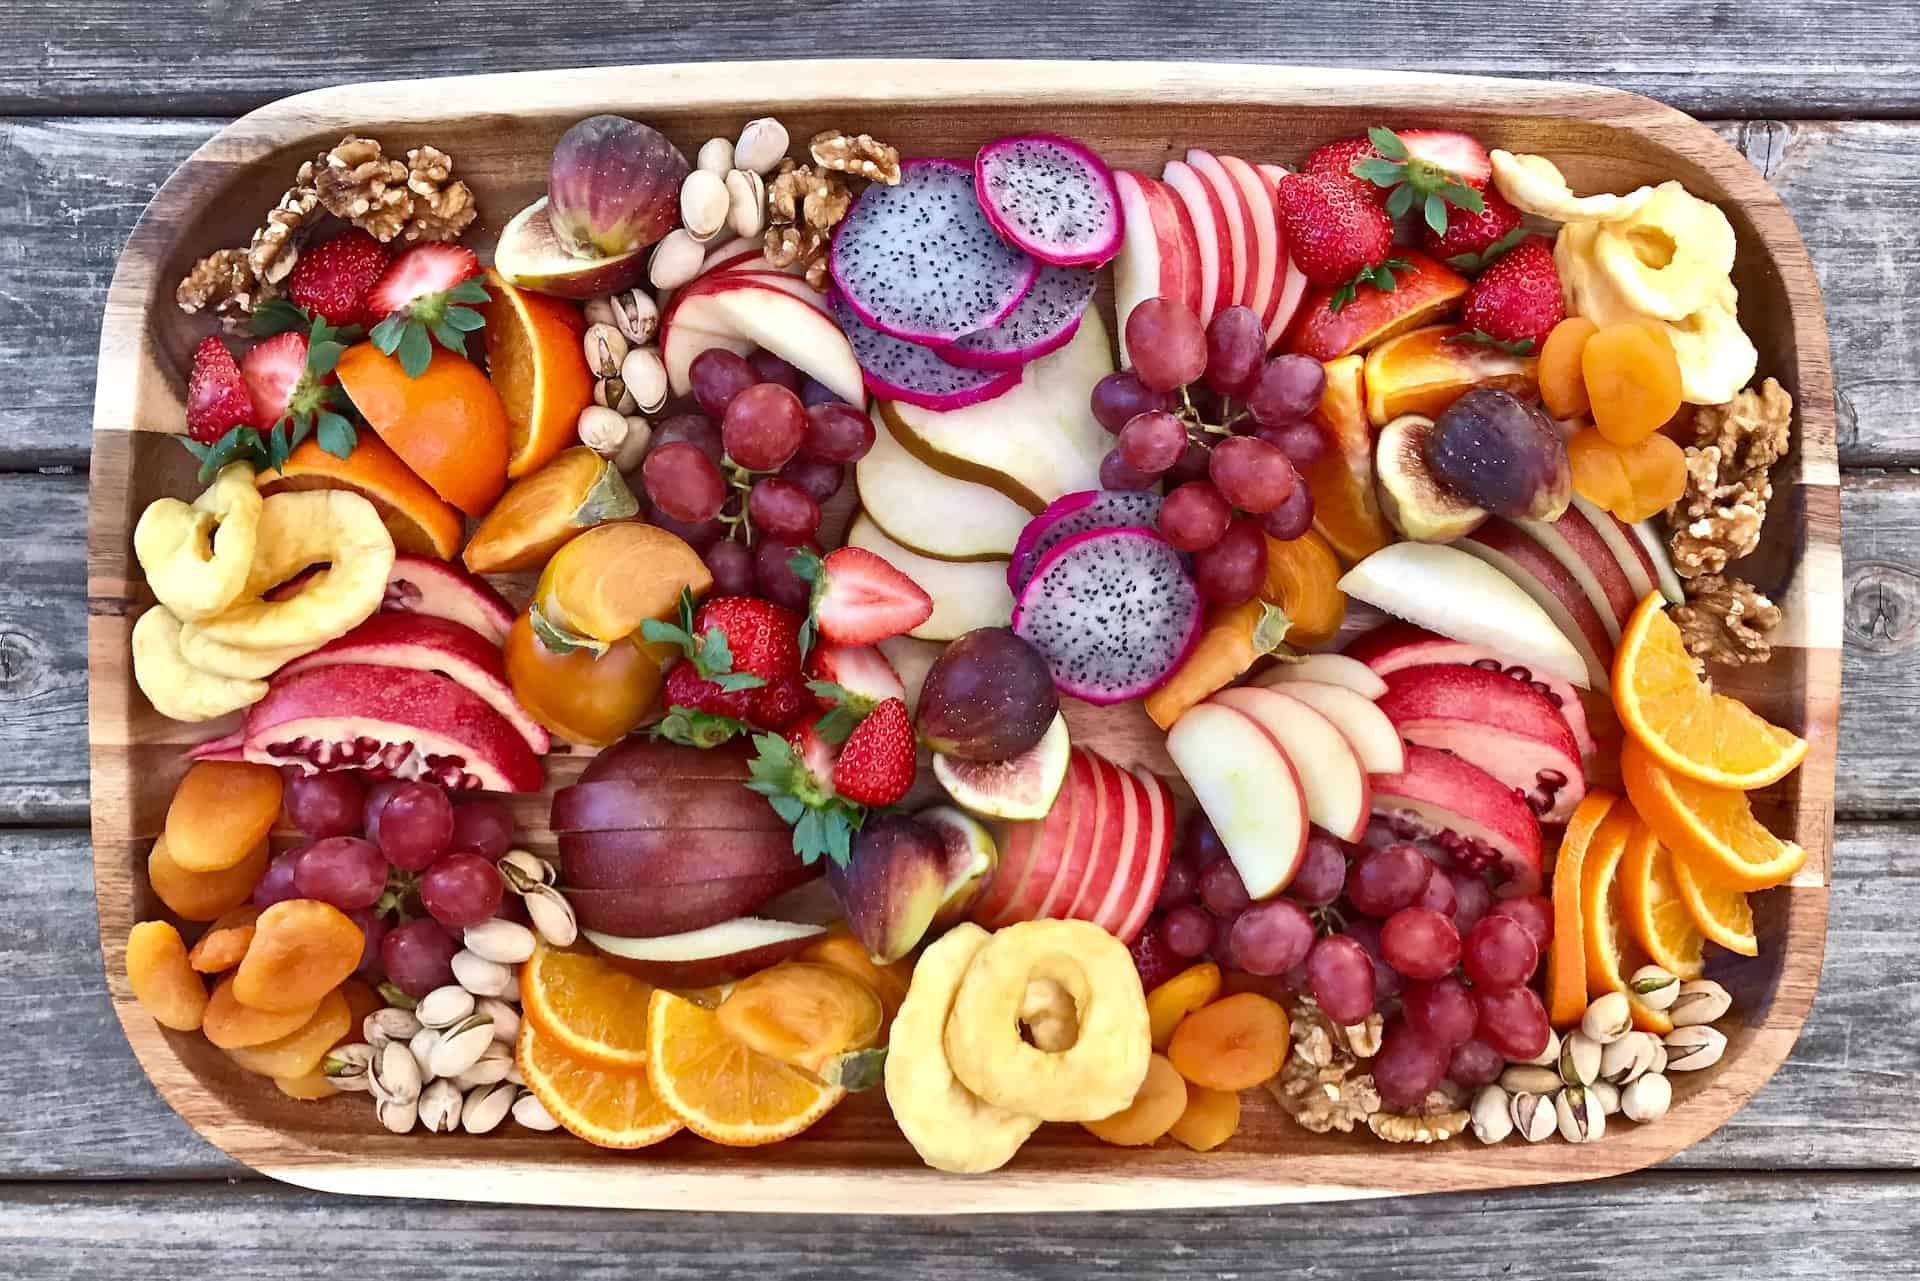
(613, 187)
(892, 885)
(972, 857)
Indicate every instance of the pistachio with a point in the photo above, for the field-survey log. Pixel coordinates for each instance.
(440, 1107)
(1607, 1095)
(1608, 1019)
(503, 941)
(506, 1019)
(444, 1006)
(393, 996)
(636, 315)
(703, 205)
(646, 378)
(676, 259)
(395, 1076)
(1533, 1116)
(421, 1047)
(608, 393)
(1659, 1056)
(1655, 987)
(612, 435)
(397, 1116)
(461, 1045)
(746, 202)
(1579, 1059)
(1524, 1078)
(487, 1106)
(529, 1111)
(552, 915)
(1548, 1057)
(1579, 1115)
(1491, 1114)
(599, 311)
(349, 1067)
(1629, 1058)
(389, 1024)
(1699, 1002)
(1648, 1098)
(490, 1068)
(480, 976)
(1694, 1047)
(606, 347)
(513, 1074)
(716, 156)
(522, 870)
(761, 145)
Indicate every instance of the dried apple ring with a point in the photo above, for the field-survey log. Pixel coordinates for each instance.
(177, 689)
(197, 557)
(298, 529)
(951, 1128)
(232, 661)
(1095, 1077)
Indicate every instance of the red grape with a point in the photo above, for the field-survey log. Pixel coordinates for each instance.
(782, 510)
(342, 870)
(1470, 899)
(1322, 874)
(1383, 881)
(483, 826)
(1271, 937)
(1152, 442)
(1291, 518)
(328, 804)
(1420, 943)
(1534, 912)
(1235, 567)
(683, 482)
(1115, 474)
(820, 481)
(1303, 443)
(773, 572)
(769, 368)
(1287, 388)
(373, 931)
(416, 826)
(1252, 475)
(837, 433)
(1442, 1010)
(1407, 1067)
(731, 565)
(817, 393)
(1340, 973)
(764, 426)
(1178, 886)
(1200, 844)
(697, 430)
(1236, 340)
(1187, 931)
(1386, 979)
(698, 535)
(1192, 465)
(1499, 953)
(1439, 895)
(1152, 960)
(461, 890)
(276, 883)
(1117, 398)
(719, 375)
(377, 793)
(1167, 344)
(418, 956)
(1222, 890)
(1512, 1021)
(1475, 1063)
(1194, 516)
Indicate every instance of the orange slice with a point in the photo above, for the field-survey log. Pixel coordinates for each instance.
(607, 1109)
(419, 520)
(1722, 914)
(537, 365)
(1610, 956)
(1711, 829)
(1657, 916)
(1567, 954)
(447, 425)
(1694, 732)
(586, 1007)
(719, 1088)
(1346, 510)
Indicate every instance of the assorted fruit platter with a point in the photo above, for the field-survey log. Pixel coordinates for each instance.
(1161, 650)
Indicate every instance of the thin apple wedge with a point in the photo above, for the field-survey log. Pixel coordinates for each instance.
(1159, 257)
(717, 954)
(1365, 727)
(1329, 768)
(1326, 669)
(1538, 573)
(1249, 791)
(1144, 881)
(1109, 887)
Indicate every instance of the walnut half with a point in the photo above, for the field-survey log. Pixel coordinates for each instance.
(1726, 620)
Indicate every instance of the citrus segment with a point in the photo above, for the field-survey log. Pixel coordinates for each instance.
(1567, 955)
(1713, 830)
(720, 1089)
(536, 362)
(1691, 730)
(447, 424)
(1723, 915)
(587, 1008)
(1610, 955)
(1656, 915)
(420, 521)
(608, 1109)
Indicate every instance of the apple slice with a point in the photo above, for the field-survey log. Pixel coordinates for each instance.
(1583, 553)
(1159, 257)
(1111, 889)
(1648, 537)
(717, 954)
(1156, 851)
(930, 512)
(1096, 815)
(1226, 192)
(1210, 233)
(1248, 790)
(1641, 554)
(1499, 544)
(1507, 728)
(1478, 820)
(966, 594)
(647, 912)
(1266, 271)
(1329, 769)
(742, 313)
(1033, 850)
(1327, 669)
(1111, 844)
(1293, 286)
(1444, 589)
(1365, 727)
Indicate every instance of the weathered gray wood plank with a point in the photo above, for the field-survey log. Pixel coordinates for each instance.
(79, 1106)
(1697, 1226)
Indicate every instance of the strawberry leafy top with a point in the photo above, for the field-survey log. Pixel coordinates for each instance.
(1380, 276)
(1412, 178)
(404, 334)
(707, 651)
(317, 407)
(822, 822)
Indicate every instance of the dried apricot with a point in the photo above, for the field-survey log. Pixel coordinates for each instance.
(1563, 384)
(231, 1025)
(299, 1051)
(1632, 379)
(1161, 1100)
(1656, 469)
(1233, 1044)
(1598, 474)
(161, 978)
(842, 951)
(313, 1085)
(1212, 1116)
(225, 942)
(362, 1000)
(201, 896)
(1187, 991)
(302, 949)
(219, 813)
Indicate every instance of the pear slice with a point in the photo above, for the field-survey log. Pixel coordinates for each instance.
(966, 594)
(930, 512)
(1034, 443)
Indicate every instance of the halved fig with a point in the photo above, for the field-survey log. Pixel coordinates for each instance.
(1506, 728)
(612, 804)
(640, 859)
(1414, 503)
(1479, 822)
(1020, 787)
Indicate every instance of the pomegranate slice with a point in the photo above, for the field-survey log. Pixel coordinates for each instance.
(423, 585)
(1467, 813)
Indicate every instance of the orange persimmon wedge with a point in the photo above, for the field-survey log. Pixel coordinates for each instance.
(1566, 955)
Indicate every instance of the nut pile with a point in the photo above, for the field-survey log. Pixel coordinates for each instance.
(630, 382)
(725, 195)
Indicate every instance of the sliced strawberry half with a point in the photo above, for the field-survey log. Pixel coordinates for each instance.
(859, 598)
(217, 395)
(418, 299)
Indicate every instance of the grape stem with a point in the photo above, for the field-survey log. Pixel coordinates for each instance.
(741, 480)
(1191, 416)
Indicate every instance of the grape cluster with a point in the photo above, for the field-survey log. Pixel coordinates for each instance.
(411, 867)
(747, 492)
(1382, 926)
(1205, 411)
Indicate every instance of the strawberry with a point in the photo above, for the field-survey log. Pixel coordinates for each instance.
(876, 765)
(1517, 301)
(1334, 229)
(687, 688)
(1472, 241)
(275, 370)
(815, 750)
(416, 296)
(217, 396)
(858, 598)
(855, 677)
(1434, 168)
(795, 774)
(334, 279)
(1460, 154)
(763, 638)
(742, 664)
(1337, 159)
(782, 704)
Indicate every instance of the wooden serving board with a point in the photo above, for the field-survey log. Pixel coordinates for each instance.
(500, 130)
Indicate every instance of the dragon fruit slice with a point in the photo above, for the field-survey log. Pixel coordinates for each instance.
(894, 369)
(392, 722)
(920, 261)
(1113, 611)
(1044, 321)
(1052, 197)
(1073, 514)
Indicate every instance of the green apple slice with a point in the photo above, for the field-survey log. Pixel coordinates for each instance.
(930, 512)
(966, 594)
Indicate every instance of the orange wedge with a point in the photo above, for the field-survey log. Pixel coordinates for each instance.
(447, 425)
(1711, 829)
(1567, 955)
(607, 1109)
(587, 1008)
(1610, 956)
(1691, 730)
(720, 1089)
(419, 520)
(1722, 914)
(537, 365)
(1657, 916)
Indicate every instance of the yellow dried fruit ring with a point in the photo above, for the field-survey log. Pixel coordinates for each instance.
(197, 557)
(176, 688)
(298, 529)
(1095, 1077)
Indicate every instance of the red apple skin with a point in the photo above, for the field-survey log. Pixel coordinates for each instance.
(656, 911)
(1467, 798)
(1424, 290)
(1106, 902)
(1157, 851)
(653, 859)
(1096, 849)
(725, 967)
(1035, 861)
(616, 803)
(1487, 718)
(1209, 222)
(1173, 234)
(1585, 542)
(1115, 847)
(1531, 565)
